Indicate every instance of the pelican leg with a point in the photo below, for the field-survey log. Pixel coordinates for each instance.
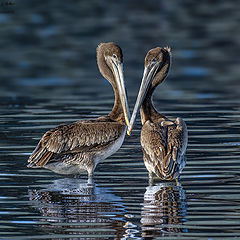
(177, 180)
(150, 175)
(90, 181)
(77, 175)
(90, 177)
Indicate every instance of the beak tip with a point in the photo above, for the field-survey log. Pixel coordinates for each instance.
(129, 131)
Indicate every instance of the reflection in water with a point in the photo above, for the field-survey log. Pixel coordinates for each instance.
(164, 210)
(71, 206)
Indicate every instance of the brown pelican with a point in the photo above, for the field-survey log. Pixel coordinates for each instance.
(163, 141)
(69, 149)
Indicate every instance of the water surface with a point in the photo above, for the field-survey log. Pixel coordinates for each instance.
(39, 204)
(49, 76)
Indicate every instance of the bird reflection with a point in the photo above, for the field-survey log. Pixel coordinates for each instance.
(164, 210)
(74, 206)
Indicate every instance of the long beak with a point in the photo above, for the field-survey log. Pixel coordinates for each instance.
(118, 73)
(148, 74)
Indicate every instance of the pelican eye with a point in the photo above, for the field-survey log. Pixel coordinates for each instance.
(115, 56)
(154, 60)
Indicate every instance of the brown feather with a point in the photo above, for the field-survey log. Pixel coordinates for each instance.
(75, 138)
(162, 144)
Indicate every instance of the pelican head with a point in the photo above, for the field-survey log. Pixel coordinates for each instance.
(110, 64)
(157, 63)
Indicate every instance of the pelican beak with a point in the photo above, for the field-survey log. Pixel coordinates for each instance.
(118, 74)
(148, 74)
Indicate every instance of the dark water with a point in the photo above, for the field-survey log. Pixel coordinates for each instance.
(49, 76)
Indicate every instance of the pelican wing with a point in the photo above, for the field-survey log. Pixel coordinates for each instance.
(154, 142)
(76, 137)
(165, 146)
(177, 139)
(174, 160)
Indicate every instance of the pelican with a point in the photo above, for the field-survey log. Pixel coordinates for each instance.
(163, 141)
(71, 149)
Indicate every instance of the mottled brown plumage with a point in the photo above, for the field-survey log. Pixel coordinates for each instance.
(68, 149)
(163, 141)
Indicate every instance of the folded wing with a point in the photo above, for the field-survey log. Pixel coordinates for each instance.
(164, 147)
(74, 138)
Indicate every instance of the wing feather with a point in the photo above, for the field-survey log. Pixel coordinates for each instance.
(165, 144)
(74, 137)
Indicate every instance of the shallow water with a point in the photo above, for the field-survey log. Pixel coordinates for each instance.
(49, 76)
(38, 204)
